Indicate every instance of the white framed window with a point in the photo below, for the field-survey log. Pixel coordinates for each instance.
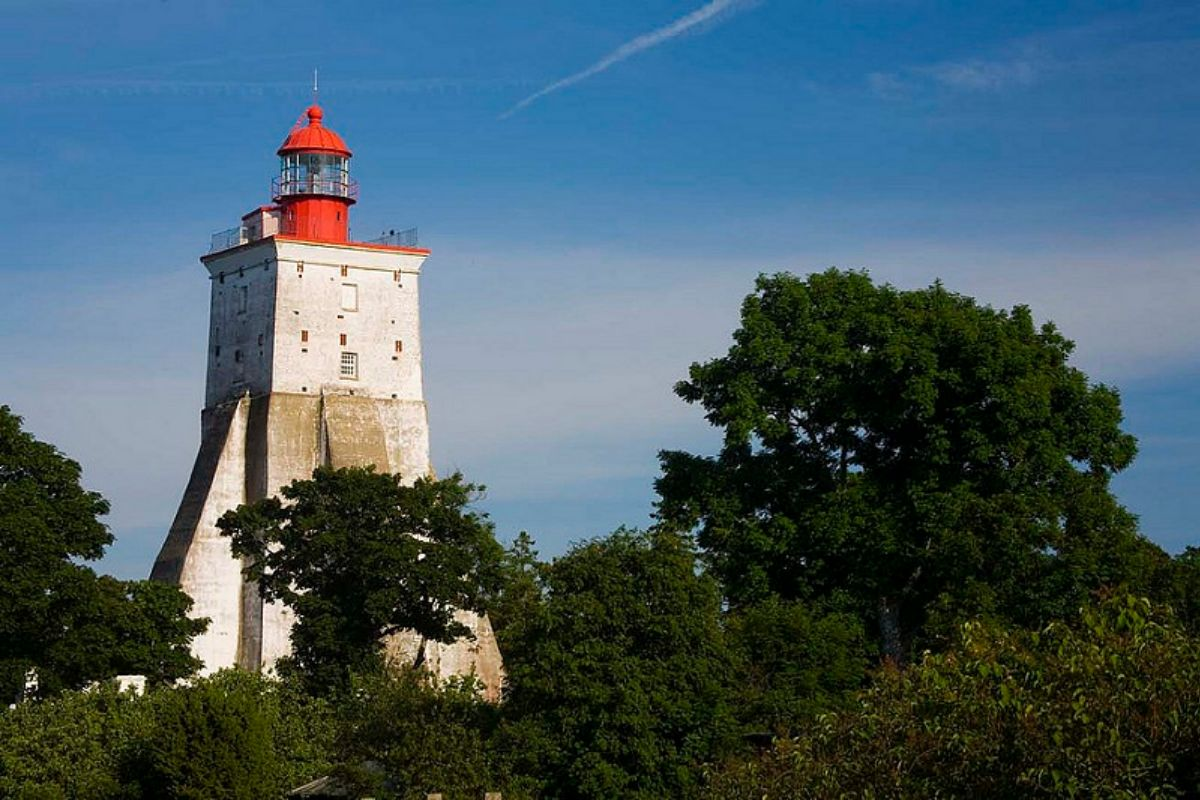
(349, 366)
(350, 297)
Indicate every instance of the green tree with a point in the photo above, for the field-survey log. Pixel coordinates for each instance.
(126, 627)
(618, 684)
(1178, 583)
(359, 556)
(920, 454)
(520, 592)
(1107, 706)
(232, 736)
(794, 663)
(56, 615)
(72, 745)
(405, 736)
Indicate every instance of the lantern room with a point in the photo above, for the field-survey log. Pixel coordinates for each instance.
(314, 189)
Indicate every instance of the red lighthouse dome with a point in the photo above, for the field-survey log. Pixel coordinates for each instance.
(314, 189)
(314, 137)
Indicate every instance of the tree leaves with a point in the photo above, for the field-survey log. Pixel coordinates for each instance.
(897, 446)
(359, 555)
(56, 615)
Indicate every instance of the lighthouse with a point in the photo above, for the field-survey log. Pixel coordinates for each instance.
(314, 358)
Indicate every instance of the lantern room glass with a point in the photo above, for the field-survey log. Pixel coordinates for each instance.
(315, 173)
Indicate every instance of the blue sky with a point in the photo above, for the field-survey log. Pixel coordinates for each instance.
(591, 243)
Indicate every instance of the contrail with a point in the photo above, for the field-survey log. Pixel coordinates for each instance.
(635, 46)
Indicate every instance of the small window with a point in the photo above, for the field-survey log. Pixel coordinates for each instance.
(342, 339)
(345, 270)
(399, 346)
(303, 336)
(243, 299)
(350, 365)
(396, 275)
(350, 297)
(260, 340)
(299, 267)
(217, 351)
(237, 356)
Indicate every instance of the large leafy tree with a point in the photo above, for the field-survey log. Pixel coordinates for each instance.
(359, 556)
(57, 616)
(619, 681)
(912, 455)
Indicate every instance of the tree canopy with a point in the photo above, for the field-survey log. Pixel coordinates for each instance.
(359, 555)
(618, 682)
(57, 616)
(1101, 705)
(905, 452)
(231, 735)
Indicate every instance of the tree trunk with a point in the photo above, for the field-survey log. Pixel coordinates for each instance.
(889, 631)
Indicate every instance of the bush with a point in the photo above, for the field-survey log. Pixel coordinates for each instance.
(1108, 707)
(234, 735)
(71, 746)
(403, 736)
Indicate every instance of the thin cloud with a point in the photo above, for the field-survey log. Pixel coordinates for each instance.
(709, 11)
(983, 75)
(131, 87)
(970, 75)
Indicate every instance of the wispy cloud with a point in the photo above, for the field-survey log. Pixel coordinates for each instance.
(706, 13)
(983, 75)
(137, 87)
(968, 75)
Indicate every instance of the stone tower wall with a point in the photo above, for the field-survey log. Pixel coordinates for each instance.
(278, 405)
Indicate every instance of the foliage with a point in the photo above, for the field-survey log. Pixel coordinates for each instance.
(793, 663)
(234, 735)
(358, 556)
(618, 684)
(912, 451)
(1108, 707)
(415, 737)
(56, 615)
(72, 745)
(520, 593)
(1181, 586)
(127, 628)
(209, 743)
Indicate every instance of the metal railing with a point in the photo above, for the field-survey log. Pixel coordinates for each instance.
(404, 238)
(232, 237)
(313, 184)
(223, 240)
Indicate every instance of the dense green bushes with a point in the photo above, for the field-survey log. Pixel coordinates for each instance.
(1107, 706)
(234, 736)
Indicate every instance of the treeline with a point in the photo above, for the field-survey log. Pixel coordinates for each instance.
(903, 575)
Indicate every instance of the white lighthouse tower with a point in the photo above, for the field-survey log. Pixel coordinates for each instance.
(314, 358)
